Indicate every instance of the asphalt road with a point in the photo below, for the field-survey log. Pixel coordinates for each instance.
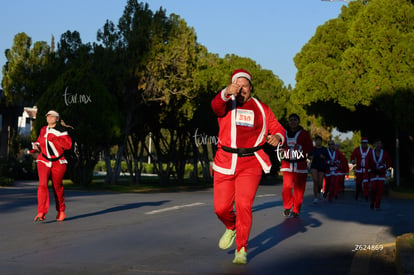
(178, 232)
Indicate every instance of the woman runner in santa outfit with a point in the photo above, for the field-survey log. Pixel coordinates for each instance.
(245, 124)
(318, 167)
(51, 143)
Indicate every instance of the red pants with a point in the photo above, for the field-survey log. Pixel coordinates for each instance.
(377, 187)
(341, 183)
(294, 185)
(57, 171)
(366, 188)
(358, 184)
(239, 189)
(324, 184)
(359, 177)
(332, 186)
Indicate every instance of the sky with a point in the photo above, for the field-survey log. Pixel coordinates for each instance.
(271, 32)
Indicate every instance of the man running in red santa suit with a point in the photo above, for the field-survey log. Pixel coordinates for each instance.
(332, 174)
(359, 159)
(245, 124)
(51, 143)
(294, 166)
(378, 161)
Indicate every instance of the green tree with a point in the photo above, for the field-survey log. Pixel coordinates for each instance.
(208, 80)
(83, 102)
(22, 81)
(357, 69)
(123, 46)
(156, 55)
(167, 86)
(79, 95)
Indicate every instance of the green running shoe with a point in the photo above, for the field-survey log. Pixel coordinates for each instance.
(40, 217)
(227, 239)
(240, 257)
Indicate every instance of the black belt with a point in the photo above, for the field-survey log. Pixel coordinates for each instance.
(242, 152)
(52, 159)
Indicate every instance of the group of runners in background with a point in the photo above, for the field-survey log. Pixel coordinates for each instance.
(329, 167)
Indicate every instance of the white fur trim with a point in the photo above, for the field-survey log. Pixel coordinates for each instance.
(282, 138)
(294, 169)
(378, 178)
(240, 74)
(266, 168)
(223, 95)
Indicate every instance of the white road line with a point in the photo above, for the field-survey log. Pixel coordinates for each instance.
(173, 208)
(266, 195)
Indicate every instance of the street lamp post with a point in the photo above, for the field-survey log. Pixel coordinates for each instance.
(149, 148)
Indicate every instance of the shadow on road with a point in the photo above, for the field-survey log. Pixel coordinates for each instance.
(274, 235)
(117, 209)
(266, 205)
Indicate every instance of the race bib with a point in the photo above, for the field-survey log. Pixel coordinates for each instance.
(291, 143)
(245, 118)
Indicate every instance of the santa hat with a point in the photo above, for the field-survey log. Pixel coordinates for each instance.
(364, 139)
(241, 73)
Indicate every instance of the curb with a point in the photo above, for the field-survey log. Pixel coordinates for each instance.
(404, 244)
(404, 254)
(400, 195)
(374, 261)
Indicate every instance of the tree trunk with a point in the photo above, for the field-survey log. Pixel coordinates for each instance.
(129, 161)
(117, 167)
(206, 164)
(107, 159)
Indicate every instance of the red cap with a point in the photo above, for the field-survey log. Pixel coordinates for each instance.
(364, 139)
(240, 73)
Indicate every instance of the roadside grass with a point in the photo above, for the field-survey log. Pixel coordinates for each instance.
(411, 241)
(405, 190)
(6, 181)
(152, 184)
(147, 184)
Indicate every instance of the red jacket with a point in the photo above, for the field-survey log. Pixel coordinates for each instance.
(295, 160)
(334, 163)
(344, 167)
(243, 126)
(359, 156)
(52, 143)
(377, 166)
